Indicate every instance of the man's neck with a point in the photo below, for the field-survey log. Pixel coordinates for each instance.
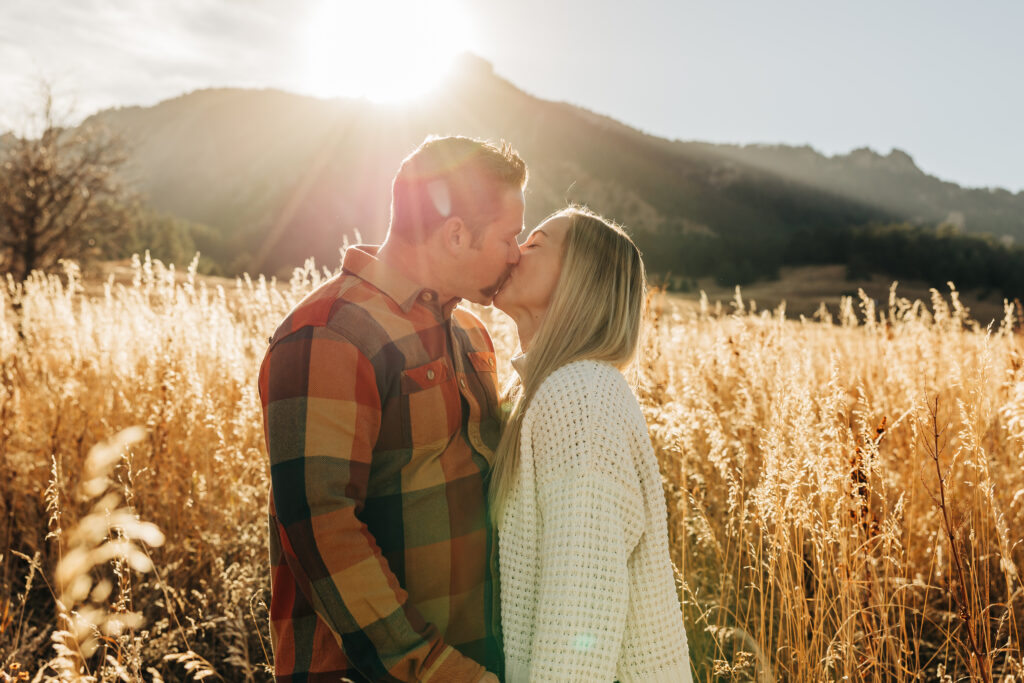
(412, 261)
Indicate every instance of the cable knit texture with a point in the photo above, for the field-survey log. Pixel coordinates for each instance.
(587, 587)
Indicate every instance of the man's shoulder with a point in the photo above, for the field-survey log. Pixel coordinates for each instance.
(346, 304)
(351, 310)
(316, 308)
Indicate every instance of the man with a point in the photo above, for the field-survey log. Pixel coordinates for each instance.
(381, 419)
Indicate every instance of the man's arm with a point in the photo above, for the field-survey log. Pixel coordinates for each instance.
(322, 417)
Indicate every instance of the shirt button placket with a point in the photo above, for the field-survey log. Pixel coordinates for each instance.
(460, 368)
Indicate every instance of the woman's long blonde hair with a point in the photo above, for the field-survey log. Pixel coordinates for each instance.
(595, 314)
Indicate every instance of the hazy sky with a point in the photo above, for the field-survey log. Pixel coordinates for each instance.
(940, 80)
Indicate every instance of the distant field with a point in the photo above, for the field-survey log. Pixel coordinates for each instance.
(804, 288)
(846, 499)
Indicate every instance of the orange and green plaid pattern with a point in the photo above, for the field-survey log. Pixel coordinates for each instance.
(381, 418)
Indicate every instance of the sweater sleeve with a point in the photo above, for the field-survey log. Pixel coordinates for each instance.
(590, 525)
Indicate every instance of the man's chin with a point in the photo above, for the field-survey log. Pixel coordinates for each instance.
(486, 296)
(489, 295)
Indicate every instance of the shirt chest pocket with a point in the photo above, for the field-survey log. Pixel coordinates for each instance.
(431, 405)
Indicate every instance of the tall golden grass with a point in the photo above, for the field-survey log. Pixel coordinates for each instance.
(846, 495)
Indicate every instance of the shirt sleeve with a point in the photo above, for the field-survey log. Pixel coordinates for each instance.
(322, 417)
(589, 528)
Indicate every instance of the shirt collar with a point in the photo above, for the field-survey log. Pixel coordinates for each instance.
(361, 260)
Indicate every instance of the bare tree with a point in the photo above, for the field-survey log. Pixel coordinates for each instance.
(60, 196)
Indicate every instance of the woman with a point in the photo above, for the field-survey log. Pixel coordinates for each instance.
(587, 586)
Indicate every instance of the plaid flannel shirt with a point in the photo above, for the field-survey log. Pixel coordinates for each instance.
(380, 414)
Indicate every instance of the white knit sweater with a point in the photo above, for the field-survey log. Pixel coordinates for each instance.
(587, 587)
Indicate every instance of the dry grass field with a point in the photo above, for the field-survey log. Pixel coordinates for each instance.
(846, 496)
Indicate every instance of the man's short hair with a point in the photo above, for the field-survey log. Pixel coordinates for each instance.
(452, 176)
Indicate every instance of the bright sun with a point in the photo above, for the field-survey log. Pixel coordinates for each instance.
(384, 50)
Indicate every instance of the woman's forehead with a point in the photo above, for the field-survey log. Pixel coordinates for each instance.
(553, 228)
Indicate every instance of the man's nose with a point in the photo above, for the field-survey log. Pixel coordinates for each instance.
(514, 254)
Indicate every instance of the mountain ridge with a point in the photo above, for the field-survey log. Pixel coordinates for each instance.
(259, 166)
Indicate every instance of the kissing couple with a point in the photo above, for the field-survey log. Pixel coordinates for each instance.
(424, 528)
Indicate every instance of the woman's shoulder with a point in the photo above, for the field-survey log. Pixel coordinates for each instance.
(583, 373)
(583, 388)
(585, 420)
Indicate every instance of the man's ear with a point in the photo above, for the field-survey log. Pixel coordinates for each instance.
(455, 234)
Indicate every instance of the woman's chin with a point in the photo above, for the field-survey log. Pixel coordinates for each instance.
(503, 300)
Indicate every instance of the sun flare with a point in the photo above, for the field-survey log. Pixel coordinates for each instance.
(386, 51)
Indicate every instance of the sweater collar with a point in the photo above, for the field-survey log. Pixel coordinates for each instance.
(519, 365)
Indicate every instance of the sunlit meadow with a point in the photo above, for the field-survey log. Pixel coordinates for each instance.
(846, 494)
